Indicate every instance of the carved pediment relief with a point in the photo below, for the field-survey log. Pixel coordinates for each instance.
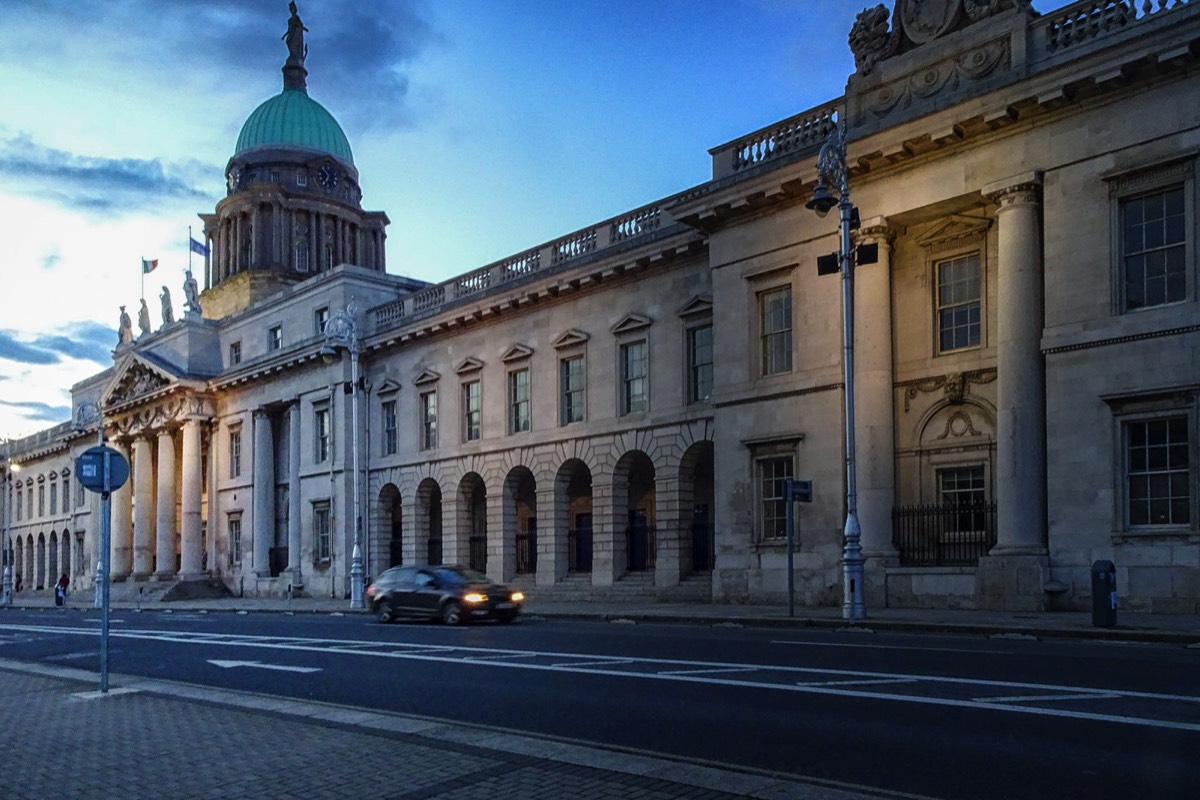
(571, 338)
(389, 386)
(699, 304)
(135, 379)
(516, 353)
(426, 377)
(953, 228)
(468, 364)
(630, 323)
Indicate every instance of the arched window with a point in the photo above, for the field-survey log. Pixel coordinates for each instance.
(301, 256)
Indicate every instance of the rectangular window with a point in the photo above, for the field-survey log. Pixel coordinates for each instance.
(53, 499)
(472, 411)
(571, 382)
(518, 400)
(235, 353)
(322, 534)
(41, 501)
(390, 437)
(275, 337)
(301, 179)
(772, 473)
(700, 363)
(20, 497)
(775, 330)
(634, 382)
(235, 453)
(1153, 245)
(1158, 472)
(66, 494)
(963, 488)
(429, 420)
(320, 317)
(320, 435)
(958, 303)
(235, 539)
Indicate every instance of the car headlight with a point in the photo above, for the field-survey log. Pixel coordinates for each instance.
(475, 597)
(518, 597)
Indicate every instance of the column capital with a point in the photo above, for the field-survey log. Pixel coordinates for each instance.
(1023, 189)
(876, 229)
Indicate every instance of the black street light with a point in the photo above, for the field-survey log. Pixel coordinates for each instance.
(832, 169)
(341, 333)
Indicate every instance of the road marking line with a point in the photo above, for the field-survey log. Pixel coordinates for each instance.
(896, 647)
(258, 665)
(857, 683)
(493, 658)
(703, 671)
(1034, 698)
(604, 663)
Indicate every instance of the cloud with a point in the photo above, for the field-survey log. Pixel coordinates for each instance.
(38, 412)
(358, 52)
(86, 341)
(96, 183)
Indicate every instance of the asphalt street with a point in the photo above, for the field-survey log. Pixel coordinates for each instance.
(942, 715)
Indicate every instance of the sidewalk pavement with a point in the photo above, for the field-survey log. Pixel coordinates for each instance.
(1130, 626)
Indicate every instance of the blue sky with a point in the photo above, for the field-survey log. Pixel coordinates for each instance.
(482, 128)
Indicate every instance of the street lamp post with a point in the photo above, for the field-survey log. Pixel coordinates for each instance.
(832, 169)
(9, 469)
(341, 332)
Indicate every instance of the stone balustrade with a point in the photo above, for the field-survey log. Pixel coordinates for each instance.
(627, 227)
(1093, 19)
(802, 133)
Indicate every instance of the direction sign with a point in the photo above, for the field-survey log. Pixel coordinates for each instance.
(102, 469)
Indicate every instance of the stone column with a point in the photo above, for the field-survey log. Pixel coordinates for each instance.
(213, 512)
(608, 531)
(295, 510)
(1013, 573)
(121, 532)
(874, 412)
(191, 546)
(264, 493)
(501, 537)
(143, 510)
(165, 523)
(552, 522)
(668, 530)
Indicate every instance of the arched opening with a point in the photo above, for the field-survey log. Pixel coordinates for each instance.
(429, 519)
(520, 521)
(573, 504)
(472, 503)
(67, 567)
(634, 489)
(19, 564)
(391, 520)
(40, 582)
(695, 505)
(52, 568)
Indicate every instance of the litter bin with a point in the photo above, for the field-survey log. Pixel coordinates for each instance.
(1104, 594)
(60, 595)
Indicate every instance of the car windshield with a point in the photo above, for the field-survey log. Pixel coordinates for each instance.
(458, 576)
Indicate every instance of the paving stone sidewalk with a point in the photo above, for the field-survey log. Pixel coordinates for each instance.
(60, 739)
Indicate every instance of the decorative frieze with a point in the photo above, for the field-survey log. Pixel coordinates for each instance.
(955, 385)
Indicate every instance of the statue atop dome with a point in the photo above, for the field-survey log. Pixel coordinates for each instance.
(294, 37)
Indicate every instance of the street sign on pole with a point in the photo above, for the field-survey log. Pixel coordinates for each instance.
(794, 491)
(103, 469)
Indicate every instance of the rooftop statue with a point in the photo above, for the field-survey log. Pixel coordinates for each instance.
(168, 313)
(125, 331)
(191, 295)
(144, 317)
(294, 37)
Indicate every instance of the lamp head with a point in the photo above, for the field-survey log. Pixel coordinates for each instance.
(822, 201)
(329, 353)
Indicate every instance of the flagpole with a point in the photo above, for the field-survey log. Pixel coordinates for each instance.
(189, 248)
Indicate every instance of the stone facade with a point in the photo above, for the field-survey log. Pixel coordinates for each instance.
(613, 413)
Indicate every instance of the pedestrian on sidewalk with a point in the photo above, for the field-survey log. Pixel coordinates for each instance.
(60, 590)
(18, 582)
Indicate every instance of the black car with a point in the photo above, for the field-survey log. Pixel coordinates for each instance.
(449, 593)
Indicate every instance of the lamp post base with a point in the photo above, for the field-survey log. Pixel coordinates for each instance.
(356, 578)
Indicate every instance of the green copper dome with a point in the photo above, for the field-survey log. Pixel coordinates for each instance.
(293, 119)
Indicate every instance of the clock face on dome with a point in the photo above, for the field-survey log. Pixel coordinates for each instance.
(327, 176)
(234, 177)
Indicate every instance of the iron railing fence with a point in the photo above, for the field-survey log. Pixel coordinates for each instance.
(640, 547)
(579, 550)
(956, 535)
(526, 553)
(703, 550)
(478, 552)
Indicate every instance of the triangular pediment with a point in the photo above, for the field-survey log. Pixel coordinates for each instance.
(954, 227)
(389, 386)
(516, 353)
(699, 304)
(135, 378)
(468, 364)
(571, 338)
(631, 322)
(426, 376)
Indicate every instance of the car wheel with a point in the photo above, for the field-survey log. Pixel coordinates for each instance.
(383, 612)
(452, 614)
